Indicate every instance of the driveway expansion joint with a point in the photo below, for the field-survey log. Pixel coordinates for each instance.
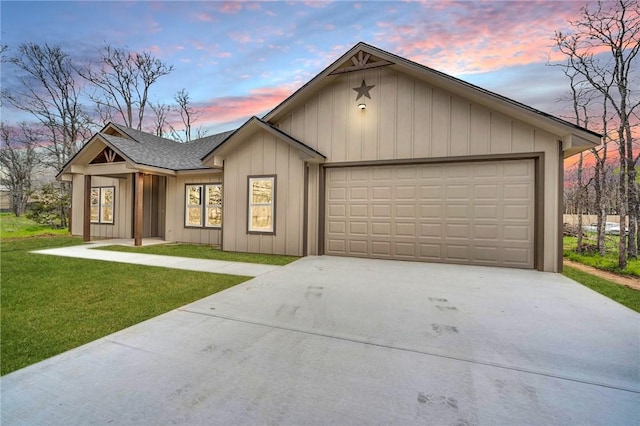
(352, 339)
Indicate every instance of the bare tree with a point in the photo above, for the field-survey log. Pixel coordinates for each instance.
(122, 80)
(580, 96)
(160, 119)
(603, 48)
(19, 158)
(188, 114)
(50, 92)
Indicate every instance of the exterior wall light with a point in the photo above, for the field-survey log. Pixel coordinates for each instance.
(362, 105)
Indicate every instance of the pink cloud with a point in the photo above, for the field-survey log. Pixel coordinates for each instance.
(231, 7)
(204, 17)
(317, 4)
(212, 50)
(234, 108)
(243, 37)
(461, 43)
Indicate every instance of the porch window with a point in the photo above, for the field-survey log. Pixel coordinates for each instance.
(203, 205)
(261, 204)
(102, 204)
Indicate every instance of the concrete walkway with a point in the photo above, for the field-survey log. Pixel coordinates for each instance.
(88, 251)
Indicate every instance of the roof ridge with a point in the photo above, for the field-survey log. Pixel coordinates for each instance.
(129, 130)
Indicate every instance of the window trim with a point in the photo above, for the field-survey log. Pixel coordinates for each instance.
(203, 205)
(272, 204)
(101, 220)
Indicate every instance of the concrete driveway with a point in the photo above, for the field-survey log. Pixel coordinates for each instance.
(330, 340)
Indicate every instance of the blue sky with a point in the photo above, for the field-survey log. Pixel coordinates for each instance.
(239, 59)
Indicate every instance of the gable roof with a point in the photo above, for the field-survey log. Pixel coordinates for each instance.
(574, 136)
(254, 124)
(145, 149)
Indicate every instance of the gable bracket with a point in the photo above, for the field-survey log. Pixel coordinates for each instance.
(360, 62)
(361, 67)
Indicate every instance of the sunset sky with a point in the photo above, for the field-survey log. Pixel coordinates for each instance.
(239, 59)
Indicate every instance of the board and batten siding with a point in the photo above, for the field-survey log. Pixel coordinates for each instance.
(175, 229)
(264, 154)
(122, 225)
(407, 118)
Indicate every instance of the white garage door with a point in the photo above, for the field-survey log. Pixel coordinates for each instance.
(471, 213)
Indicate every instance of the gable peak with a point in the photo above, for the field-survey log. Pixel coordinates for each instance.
(360, 60)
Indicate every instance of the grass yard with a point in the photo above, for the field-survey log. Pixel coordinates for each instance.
(608, 263)
(199, 251)
(51, 304)
(20, 227)
(623, 295)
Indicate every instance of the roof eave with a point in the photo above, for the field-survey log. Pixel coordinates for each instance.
(254, 124)
(452, 84)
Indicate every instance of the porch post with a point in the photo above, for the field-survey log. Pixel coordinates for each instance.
(86, 214)
(138, 212)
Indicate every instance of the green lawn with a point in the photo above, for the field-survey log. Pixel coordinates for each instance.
(20, 227)
(200, 251)
(609, 262)
(51, 304)
(621, 294)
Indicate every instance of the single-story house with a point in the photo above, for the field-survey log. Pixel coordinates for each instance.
(377, 156)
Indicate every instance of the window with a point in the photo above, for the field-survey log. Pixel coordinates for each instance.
(102, 204)
(261, 204)
(203, 205)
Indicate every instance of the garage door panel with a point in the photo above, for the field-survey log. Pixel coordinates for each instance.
(405, 230)
(337, 194)
(359, 194)
(430, 252)
(431, 212)
(405, 211)
(516, 256)
(431, 230)
(486, 170)
(520, 233)
(458, 171)
(486, 232)
(472, 213)
(486, 192)
(358, 175)
(337, 211)
(431, 192)
(486, 254)
(358, 247)
(337, 227)
(407, 250)
(358, 228)
(406, 173)
(458, 192)
(456, 211)
(517, 191)
(516, 212)
(381, 248)
(358, 211)
(382, 173)
(457, 230)
(406, 193)
(382, 193)
(457, 253)
(381, 229)
(337, 246)
(486, 212)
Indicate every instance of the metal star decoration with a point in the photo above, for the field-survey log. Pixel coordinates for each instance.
(363, 90)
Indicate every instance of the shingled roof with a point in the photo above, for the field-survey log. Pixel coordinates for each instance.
(146, 149)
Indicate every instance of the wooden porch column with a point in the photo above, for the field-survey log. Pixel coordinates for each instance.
(86, 213)
(138, 211)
